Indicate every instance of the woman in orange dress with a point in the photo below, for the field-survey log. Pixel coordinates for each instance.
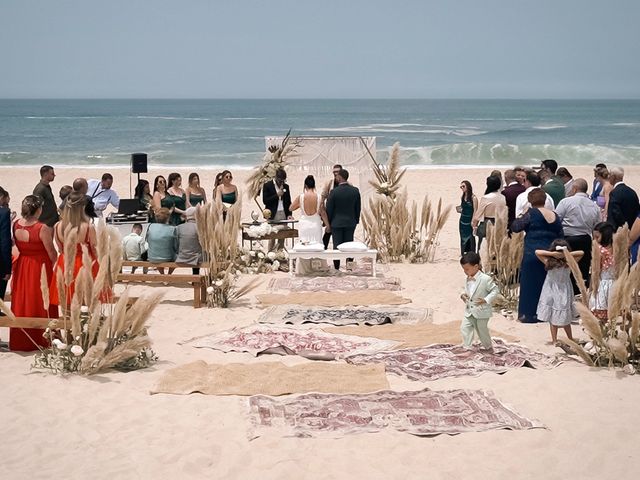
(73, 214)
(34, 241)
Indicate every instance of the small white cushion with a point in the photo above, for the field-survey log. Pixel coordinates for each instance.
(353, 247)
(310, 247)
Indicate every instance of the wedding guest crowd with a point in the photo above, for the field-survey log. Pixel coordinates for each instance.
(548, 205)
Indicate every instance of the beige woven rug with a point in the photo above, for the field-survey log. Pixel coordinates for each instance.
(413, 335)
(271, 378)
(334, 299)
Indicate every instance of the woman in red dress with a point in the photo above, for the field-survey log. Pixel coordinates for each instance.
(34, 241)
(74, 214)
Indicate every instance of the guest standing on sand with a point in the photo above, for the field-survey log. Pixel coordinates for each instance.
(49, 214)
(5, 242)
(160, 197)
(479, 293)
(579, 216)
(82, 186)
(195, 193)
(598, 181)
(227, 192)
(601, 188)
(623, 201)
(178, 197)
(216, 183)
(102, 195)
(542, 226)
(599, 301)
(556, 304)
(511, 192)
(74, 216)
(34, 241)
(490, 204)
(550, 182)
(468, 205)
(532, 181)
(343, 211)
(143, 194)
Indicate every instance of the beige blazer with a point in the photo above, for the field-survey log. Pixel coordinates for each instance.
(486, 288)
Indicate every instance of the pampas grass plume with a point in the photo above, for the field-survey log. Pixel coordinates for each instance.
(590, 323)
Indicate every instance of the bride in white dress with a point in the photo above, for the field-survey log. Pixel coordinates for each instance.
(310, 228)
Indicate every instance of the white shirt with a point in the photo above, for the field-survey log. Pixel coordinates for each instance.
(280, 204)
(102, 197)
(471, 285)
(133, 246)
(522, 202)
(579, 215)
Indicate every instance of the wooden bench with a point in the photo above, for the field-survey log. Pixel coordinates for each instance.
(332, 255)
(147, 265)
(198, 282)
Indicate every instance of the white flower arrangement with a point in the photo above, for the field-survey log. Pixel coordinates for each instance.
(259, 261)
(260, 230)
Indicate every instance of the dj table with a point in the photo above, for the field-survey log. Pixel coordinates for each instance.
(124, 223)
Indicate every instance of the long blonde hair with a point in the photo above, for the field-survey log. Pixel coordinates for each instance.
(73, 212)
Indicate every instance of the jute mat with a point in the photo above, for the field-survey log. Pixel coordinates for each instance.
(411, 336)
(271, 378)
(334, 299)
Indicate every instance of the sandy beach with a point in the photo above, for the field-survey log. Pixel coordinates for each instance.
(109, 426)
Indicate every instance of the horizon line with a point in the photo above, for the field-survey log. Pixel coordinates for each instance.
(331, 98)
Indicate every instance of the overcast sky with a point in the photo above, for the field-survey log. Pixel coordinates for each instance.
(319, 49)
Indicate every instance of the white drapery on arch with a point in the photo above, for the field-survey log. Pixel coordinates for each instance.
(317, 155)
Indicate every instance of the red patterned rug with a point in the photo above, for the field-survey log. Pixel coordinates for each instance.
(333, 283)
(425, 412)
(444, 360)
(312, 344)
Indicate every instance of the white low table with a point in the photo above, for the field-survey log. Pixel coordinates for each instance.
(332, 255)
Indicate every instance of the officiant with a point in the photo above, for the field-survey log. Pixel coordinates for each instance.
(276, 197)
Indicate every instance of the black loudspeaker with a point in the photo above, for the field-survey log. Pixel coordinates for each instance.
(139, 163)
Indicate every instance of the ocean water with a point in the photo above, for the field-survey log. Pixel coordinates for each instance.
(231, 132)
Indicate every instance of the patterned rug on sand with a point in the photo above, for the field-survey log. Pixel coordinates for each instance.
(424, 412)
(334, 283)
(294, 315)
(311, 344)
(439, 361)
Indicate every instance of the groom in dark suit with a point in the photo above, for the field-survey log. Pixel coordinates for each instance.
(343, 210)
(276, 197)
(623, 201)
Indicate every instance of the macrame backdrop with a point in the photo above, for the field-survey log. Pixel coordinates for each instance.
(317, 155)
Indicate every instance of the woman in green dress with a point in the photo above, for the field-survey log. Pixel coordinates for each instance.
(227, 192)
(160, 197)
(143, 195)
(195, 193)
(179, 198)
(468, 205)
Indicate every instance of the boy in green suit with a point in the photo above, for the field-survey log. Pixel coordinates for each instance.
(480, 292)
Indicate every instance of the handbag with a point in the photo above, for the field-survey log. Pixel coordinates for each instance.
(481, 230)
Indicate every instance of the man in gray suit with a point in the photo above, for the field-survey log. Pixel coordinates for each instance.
(343, 210)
